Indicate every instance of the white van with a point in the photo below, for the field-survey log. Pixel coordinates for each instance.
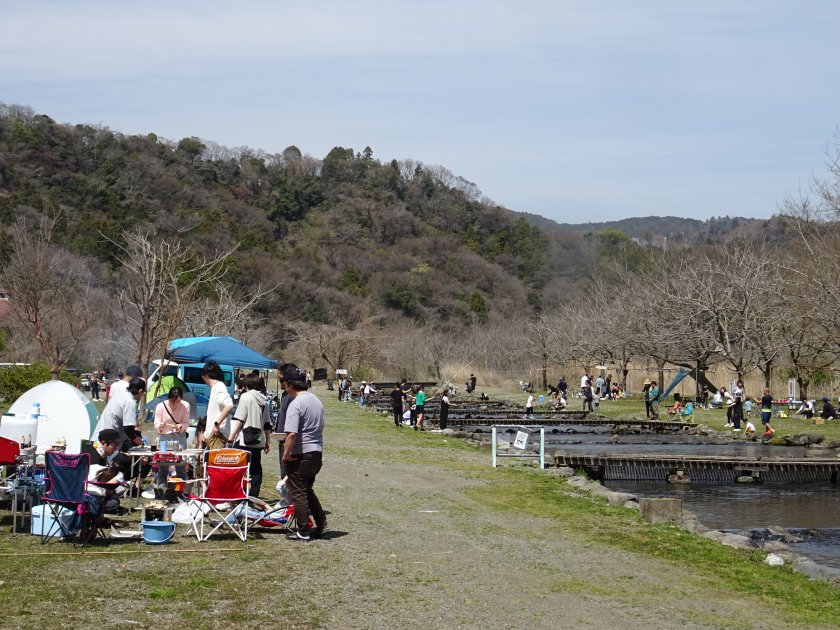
(190, 373)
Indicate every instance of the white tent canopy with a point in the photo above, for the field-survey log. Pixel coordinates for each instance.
(66, 413)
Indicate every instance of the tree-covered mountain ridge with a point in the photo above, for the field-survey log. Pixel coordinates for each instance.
(342, 239)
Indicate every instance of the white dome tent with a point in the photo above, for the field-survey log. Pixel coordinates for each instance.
(66, 413)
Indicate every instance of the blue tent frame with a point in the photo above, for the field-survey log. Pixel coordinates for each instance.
(223, 350)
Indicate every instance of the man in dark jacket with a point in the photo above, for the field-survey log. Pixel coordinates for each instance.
(828, 411)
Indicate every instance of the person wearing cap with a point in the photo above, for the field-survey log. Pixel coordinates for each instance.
(363, 390)
(120, 414)
(131, 372)
(828, 411)
(303, 453)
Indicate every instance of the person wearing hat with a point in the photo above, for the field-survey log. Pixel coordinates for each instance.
(828, 411)
(120, 414)
(363, 390)
(303, 453)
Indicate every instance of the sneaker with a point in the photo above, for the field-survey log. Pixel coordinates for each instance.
(318, 532)
(299, 535)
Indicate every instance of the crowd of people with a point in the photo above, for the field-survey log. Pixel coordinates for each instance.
(247, 425)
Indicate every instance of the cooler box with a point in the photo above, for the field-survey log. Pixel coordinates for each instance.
(43, 513)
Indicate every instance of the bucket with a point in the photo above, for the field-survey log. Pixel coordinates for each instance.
(157, 532)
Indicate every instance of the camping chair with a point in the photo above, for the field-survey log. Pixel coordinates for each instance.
(67, 478)
(684, 415)
(227, 482)
(281, 514)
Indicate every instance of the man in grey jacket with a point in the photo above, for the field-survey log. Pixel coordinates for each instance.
(251, 428)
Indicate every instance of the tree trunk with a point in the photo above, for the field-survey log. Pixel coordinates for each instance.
(767, 370)
(545, 372)
(804, 382)
(660, 364)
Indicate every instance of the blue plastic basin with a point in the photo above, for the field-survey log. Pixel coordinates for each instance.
(157, 532)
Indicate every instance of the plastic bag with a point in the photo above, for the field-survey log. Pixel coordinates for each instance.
(190, 512)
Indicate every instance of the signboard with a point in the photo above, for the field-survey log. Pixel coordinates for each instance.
(792, 389)
(521, 440)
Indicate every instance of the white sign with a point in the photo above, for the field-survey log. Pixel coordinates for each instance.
(521, 440)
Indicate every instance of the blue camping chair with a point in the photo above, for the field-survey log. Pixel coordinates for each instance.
(67, 477)
(684, 414)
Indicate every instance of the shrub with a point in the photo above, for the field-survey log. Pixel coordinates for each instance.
(14, 381)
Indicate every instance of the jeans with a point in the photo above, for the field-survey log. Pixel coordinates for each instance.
(256, 470)
(302, 471)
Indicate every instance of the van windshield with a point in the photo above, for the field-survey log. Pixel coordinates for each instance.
(193, 375)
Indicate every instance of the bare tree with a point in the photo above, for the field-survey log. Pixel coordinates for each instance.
(224, 313)
(49, 289)
(341, 346)
(160, 281)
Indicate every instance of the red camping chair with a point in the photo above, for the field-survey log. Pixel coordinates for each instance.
(227, 482)
(67, 478)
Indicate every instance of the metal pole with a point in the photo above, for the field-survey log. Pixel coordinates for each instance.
(494, 445)
(542, 448)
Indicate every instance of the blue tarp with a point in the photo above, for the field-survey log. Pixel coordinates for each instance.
(223, 350)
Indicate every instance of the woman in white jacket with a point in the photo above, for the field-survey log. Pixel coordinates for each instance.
(250, 428)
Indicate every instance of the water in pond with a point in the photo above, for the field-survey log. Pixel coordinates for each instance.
(800, 506)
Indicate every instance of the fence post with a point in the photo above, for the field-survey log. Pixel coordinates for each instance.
(494, 445)
(542, 448)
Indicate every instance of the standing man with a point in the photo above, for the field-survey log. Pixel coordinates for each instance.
(303, 453)
(653, 394)
(396, 397)
(131, 372)
(646, 392)
(443, 419)
(120, 414)
(219, 405)
(766, 412)
(562, 386)
(94, 386)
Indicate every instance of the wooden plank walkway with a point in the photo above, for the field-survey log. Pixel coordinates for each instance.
(705, 469)
(560, 420)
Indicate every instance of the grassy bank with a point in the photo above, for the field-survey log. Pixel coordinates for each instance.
(424, 534)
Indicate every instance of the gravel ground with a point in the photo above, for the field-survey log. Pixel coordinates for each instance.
(407, 547)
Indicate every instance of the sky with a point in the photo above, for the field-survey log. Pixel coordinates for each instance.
(577, 110)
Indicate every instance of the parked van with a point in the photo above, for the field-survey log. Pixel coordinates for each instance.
(190, 373)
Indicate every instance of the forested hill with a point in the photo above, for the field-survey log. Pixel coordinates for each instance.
(344, 238)
(658, 230)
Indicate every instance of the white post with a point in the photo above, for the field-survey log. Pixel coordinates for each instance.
(494, 445)
(542, 448)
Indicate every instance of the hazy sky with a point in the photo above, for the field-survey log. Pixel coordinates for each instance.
(577, 110)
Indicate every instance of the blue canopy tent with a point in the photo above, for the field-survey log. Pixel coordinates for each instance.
(223, 350)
